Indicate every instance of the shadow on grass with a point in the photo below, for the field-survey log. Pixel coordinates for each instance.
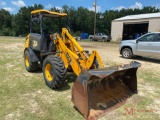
(39, 71)
(71, 77)
(153, 60)
(145, 59)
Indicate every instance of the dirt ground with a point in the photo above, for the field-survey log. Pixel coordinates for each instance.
(109, 52)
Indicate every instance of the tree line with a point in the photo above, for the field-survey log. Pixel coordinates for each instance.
(79, 20)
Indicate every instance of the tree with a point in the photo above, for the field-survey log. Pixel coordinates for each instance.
(5, 23)
(79, 20)
(21, 21)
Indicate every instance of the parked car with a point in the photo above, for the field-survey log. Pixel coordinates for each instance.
(100, 36)
(147, 45)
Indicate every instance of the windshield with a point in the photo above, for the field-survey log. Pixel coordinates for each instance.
(53, 25)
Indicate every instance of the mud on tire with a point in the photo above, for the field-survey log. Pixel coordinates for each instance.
(54, 72)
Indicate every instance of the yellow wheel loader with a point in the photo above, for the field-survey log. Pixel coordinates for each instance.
(97, 89)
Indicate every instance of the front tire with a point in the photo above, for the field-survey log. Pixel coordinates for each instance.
(30, 66)
(95, 64)
(54, 72)
(127, 53)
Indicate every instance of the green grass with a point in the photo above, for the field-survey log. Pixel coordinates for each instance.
(25, 96)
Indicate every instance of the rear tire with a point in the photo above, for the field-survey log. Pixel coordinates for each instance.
(54, 72)
(127, 53)
(104, 39)
(95, 64)
(30, 66)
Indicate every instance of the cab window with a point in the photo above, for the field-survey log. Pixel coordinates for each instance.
(147, 38)
(158, 38)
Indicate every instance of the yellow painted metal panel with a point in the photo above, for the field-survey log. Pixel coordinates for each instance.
(52, 14)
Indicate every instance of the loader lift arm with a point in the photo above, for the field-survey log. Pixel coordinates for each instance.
(95, 91)
(78, 58)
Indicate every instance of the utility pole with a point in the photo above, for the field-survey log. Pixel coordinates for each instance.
(95, 5)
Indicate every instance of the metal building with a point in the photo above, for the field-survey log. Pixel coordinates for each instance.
(133, 26)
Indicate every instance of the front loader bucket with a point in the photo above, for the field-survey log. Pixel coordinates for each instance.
(98, 91)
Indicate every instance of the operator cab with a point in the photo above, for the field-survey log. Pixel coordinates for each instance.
(42, 28)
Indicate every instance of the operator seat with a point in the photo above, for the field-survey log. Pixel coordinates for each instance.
(46, 39)
(48, 42)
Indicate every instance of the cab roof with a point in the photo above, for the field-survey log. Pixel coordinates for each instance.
(47, 13)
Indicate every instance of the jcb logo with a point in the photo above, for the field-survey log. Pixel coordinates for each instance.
(34, 43)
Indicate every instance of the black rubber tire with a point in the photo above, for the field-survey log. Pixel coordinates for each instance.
(104, 39)
(30, 66)
(95, 64)
(58, 72)
(127, 53)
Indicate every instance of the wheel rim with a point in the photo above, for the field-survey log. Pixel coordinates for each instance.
(126, 53)
(48, 72)
(27, 61)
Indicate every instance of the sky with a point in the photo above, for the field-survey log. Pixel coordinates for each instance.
(14, 5)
